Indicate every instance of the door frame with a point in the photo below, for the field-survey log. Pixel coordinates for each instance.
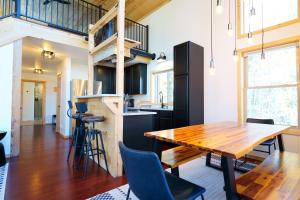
(43, 102)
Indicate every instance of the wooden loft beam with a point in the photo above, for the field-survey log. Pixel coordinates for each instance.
(112, 39)
(104, 20)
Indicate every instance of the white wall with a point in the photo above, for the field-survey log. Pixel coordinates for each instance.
(189, 20)
(79, 70)
(51, 83)
(28, 101)
(6, 58)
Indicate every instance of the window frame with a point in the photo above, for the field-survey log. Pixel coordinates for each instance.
(152, 89)
(270, 28)
(243, 76)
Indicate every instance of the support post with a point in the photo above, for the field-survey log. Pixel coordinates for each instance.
(91, 63)
(120, 78)
(17, 8)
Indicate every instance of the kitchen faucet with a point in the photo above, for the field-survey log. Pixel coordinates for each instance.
(161, 99)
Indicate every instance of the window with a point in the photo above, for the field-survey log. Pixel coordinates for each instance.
(163, 82)
(272, 85)
(275, 12)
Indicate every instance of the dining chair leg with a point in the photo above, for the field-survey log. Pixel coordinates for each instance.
(208, 159)
(269, 149)
(70, 148)
(202, 197)
(128, 194)
(175, 171)
(274, 145)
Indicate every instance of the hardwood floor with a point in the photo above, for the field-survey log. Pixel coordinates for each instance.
(42, 172)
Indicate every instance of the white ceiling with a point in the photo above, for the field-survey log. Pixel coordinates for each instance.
(32, 48)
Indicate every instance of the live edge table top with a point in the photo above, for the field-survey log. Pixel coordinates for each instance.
(225, 138)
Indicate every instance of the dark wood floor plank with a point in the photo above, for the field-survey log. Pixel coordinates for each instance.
(41, 170)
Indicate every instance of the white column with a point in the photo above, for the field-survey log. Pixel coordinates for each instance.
(65, 97)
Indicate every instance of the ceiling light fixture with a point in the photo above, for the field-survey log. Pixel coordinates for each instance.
(162, 57)
(48, 54)
(229, 26)
(219, 8)
(235, 53)
(38, 70)
(212, 69)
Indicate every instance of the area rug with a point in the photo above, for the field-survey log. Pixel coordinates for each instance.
(3, 177)
(194, 171)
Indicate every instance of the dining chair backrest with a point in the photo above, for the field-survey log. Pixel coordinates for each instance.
(69, 112)
(260, 121)
(81, 107)
(145, 174)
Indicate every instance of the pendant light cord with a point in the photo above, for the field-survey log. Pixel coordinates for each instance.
(211, 29)
(235, 25)
(229, 13)
(249, 16)
(262, 24)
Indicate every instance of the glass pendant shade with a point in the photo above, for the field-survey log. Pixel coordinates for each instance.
(235, 56)
(212, 69)
(229, 30)
(219, 8)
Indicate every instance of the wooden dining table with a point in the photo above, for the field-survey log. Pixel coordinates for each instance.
(230, 140)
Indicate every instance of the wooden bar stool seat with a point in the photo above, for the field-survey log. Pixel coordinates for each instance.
(277, 177)
(174, 157)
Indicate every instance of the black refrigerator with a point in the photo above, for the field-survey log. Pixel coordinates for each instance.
(188, 84)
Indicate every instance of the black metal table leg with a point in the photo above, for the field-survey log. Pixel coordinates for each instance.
(157, 147)
(229, 178)
(2, 155)
(280, 142)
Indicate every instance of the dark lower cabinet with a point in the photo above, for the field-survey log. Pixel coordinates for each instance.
(134, 127)
(162, 120)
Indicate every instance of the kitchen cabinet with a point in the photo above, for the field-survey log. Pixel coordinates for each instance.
(162, 120)
(134, 127)
(188, 84)
(107, 75)
(135, 79)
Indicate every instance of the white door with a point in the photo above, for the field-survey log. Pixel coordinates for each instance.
(28, 101)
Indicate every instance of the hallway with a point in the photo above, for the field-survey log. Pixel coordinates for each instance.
(42, 172)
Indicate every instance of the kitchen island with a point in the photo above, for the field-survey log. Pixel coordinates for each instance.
(118, 126)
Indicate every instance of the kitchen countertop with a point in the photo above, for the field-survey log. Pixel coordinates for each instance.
(97, 96)
(139, 113)
(151, 108)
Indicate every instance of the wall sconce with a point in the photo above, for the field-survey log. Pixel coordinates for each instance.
(162, 57)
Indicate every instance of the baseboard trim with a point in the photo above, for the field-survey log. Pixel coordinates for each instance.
(63, 135)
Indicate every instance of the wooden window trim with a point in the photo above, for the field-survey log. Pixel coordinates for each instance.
(270, 28)
(242, 74)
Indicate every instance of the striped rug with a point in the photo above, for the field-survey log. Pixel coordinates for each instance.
(3, 176)
(194, 171)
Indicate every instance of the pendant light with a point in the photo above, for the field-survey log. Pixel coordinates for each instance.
(235, 53)
(212, 69)
(263, 55)
(229, 26)
(219, 8)
(252, 9)
(250, 36)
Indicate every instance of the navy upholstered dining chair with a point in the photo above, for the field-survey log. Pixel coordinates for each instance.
(269, 143)
(148, 180)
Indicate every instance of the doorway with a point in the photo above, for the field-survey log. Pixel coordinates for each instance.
(33, 102)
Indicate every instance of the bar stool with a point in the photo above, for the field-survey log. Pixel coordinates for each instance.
(78, 128)
(91, 133)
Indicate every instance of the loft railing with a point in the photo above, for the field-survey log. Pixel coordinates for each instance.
(71, 15)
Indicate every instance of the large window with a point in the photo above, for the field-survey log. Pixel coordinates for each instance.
(162, 82)
(275, 12)
(272, 85)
